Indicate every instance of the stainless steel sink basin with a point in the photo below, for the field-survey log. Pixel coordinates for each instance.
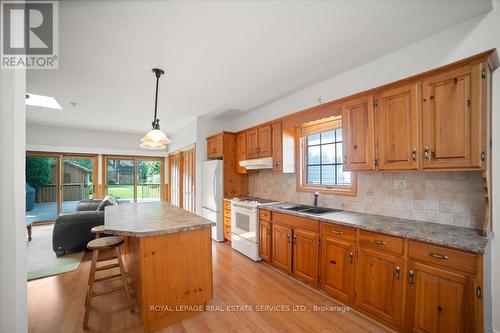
(310, 209)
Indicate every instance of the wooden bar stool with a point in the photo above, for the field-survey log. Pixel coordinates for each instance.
(96, 245)
(98, 231)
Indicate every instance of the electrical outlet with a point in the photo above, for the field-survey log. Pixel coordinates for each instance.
(398, 184)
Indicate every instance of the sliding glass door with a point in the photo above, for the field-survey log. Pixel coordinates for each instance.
(78, 181)
(134, 179)
(42, 188)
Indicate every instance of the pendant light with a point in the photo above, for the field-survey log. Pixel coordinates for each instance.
(155, 139)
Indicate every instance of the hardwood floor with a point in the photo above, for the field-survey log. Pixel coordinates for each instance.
(55, 304)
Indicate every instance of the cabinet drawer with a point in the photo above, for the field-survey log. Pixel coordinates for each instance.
(454, 259)
(381, 242)
(264, 215)
(337, 231)
(293, 221)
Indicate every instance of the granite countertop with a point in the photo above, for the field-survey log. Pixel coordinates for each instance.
(150, 219)
(441, 234)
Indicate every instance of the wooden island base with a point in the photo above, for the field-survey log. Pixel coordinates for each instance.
(171, 275)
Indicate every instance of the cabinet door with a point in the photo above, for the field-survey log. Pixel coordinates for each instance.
(379, 285)
(265, 240)
(437, 300)
(337, 269)
(252, 144)
(241, 148)
(398, 130)
(277, 143)
(215, 146)
(265, 141)
(282, 247)
(306, 255)
(358, 128)
(452, 119)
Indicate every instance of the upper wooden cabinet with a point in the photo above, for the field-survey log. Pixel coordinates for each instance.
(241, 152)
(453, 115)
(215, 147)
(397, 128)
(277, 147)
(259, 142)
(358, 134)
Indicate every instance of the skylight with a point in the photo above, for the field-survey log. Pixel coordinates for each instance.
(42, 101)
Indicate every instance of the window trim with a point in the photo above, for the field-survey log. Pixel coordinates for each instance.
(301, 149)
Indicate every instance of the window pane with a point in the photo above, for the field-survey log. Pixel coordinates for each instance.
(313, 175)
(343, 178)
(313, 154)
(313, 139)
(338, 134)
(328, 175)
(148, 180)
(328, 137)
(120, 176)
(328, 154)
(339, 155)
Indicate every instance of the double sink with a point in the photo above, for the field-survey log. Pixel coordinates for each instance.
(310, 209)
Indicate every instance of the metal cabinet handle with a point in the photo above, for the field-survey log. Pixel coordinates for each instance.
(414, 154)
(411, 277)
(351, 255)
(398, 272)
(288, 237)
(437, 256)
(268, 231)
(337, 232)
(294, 239)
(426, 153)
(379, 242)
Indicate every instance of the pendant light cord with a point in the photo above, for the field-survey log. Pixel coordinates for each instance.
(156, 121)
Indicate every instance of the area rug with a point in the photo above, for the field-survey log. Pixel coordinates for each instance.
(41, 259)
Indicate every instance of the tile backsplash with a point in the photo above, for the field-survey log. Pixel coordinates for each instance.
(443, 197)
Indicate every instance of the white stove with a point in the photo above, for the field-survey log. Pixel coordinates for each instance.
(245, 225)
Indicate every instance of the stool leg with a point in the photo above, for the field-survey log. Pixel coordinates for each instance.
(124, 278)
(90, 287)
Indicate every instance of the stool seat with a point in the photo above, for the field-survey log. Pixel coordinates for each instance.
(105, 243)
(98, 229)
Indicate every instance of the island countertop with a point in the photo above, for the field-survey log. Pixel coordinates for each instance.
(150, 219)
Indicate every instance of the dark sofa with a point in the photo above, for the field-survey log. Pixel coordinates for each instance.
(72, 231)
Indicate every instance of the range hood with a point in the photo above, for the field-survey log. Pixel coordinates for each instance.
(258, 163)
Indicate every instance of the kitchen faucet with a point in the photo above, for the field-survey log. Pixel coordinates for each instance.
(316, 195)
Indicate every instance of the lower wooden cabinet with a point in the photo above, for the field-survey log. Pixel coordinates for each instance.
(282, 247)
(337, 268)
(379, 286)
(305, 256)
(265, 250)
(227, 221)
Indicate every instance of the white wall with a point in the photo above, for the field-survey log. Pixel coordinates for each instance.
(465, 39)
(184, 137)
(13, 299)
(72, 140)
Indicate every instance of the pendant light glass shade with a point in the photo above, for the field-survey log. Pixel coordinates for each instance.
(155, 139)
(156, 136)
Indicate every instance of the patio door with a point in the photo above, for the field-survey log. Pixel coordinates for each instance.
(42, 188)
(78, 180)
(134, 179)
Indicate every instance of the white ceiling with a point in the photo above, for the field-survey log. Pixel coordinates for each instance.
(218, 55)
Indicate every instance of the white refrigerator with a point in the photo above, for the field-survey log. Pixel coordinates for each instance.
(212, 198)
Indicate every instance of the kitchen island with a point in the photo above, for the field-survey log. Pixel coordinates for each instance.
(168, 255)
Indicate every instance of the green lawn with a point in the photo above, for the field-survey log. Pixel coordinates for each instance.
(127, 191)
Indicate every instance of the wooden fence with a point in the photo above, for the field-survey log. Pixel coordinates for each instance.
(71, 192)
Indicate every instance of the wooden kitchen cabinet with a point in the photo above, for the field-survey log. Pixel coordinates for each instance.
(227, 221)
(282, 247)
(265, 240)
(397, 120)
(215, 146)
(277, 149)
(358, 132)
(379, 287)
(305, 256)
(265, 141)
(337, 268)
(453, 116)
(438, 301)
(259, 142)
(241, 152)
